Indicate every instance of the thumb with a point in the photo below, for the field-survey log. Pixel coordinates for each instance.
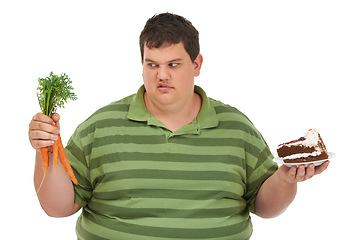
(56, 118)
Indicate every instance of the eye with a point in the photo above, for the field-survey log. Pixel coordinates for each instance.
(151, 65)
(173, 64)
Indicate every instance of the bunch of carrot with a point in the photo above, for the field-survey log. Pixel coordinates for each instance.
(59, 153)
(52, 92)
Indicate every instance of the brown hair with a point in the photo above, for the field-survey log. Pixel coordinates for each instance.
(168, 28)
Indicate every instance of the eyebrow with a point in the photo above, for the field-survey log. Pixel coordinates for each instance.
(170, 61)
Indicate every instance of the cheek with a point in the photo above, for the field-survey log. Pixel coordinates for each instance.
(145, 75)
(148, 78)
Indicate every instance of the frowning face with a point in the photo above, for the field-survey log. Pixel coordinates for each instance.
(168, 75)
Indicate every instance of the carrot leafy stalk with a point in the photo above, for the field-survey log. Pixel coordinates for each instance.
(53, 92)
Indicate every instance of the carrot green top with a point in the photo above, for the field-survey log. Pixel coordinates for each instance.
(54, 91)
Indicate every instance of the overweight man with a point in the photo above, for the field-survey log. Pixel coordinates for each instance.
(167, 162)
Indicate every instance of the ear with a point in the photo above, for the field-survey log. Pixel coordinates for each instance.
(198, 62)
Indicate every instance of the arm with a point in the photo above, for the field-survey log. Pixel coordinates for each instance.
(56, 195)
(279, 190)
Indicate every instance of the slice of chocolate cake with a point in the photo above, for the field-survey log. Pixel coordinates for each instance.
(305, 149)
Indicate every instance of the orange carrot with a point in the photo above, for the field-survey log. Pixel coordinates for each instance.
(45, 163)
(64, 161)
(45, 159)
(55, 151)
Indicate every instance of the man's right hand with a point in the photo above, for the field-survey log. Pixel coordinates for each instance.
(42, 130)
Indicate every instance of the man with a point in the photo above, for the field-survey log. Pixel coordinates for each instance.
(167, 162)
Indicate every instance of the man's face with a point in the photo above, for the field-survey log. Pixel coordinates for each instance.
(168, 75)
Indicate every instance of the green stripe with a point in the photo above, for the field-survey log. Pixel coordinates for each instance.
(138, 127)
(136, 183)
(115, 106)
(164, 170)
(171, 174)
(160, 139)
(108, 123)
(168, 193)
(140, 203)
(85, 234)
(166, 149)
(111, 233)
(162, 212)
(122, 139)
(198, 166)
(203, 233)
(76, 153)
(168, 157)
(118, 142)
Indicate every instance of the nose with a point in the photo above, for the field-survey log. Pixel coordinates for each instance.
(163, 73)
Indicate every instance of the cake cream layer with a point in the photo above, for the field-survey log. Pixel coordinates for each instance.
(322, 156)
(302, 155)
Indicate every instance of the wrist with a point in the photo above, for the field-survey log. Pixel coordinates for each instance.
(284, 179)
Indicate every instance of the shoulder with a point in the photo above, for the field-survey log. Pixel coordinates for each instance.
(114, 110)
(233, 119)
(227, 112)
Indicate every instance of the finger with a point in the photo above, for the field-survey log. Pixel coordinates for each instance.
(41, 135)
(322, 167)
(284, 169)
(43, 126)
(39, 139)
(291, 174)
(292, 171)
(42, 143)
(40, 117)
(310, 171)
(42, 122)
(56, 117)
(301, 172)
(39, 143)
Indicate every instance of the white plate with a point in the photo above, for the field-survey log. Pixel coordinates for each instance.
(316, 163)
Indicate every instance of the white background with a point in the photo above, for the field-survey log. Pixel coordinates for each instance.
(288, 65)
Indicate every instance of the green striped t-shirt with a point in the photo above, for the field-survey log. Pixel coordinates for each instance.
(139, 180)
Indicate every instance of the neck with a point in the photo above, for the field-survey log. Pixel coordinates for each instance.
(178, 115)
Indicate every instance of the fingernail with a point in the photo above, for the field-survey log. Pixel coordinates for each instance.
(55, 137)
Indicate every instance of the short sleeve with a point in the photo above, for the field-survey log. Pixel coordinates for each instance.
(77, 159)
(259, 167)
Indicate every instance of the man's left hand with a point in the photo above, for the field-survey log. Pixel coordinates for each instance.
(301, 173)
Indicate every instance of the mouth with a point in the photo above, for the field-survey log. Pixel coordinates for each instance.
(164, 86)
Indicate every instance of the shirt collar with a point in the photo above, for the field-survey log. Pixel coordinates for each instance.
(206, 118)
(137, 109)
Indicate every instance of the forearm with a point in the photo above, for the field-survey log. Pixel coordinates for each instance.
(274, 197)
(56, 194)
